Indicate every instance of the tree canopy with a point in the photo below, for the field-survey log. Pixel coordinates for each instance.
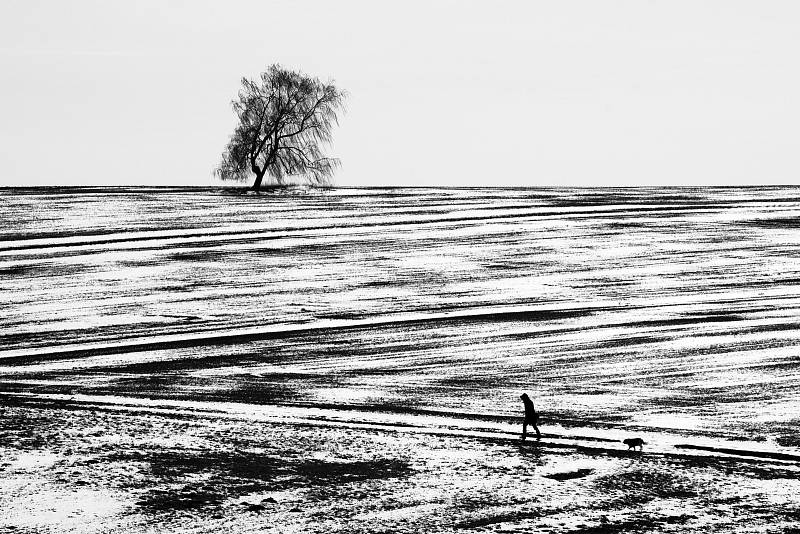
(285, 117)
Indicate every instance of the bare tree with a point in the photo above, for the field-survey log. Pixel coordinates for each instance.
(284, 118)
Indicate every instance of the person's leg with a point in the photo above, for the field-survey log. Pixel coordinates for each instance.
(538, 434)
(524, 429)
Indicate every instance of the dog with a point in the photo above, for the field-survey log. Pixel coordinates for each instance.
(632, 443)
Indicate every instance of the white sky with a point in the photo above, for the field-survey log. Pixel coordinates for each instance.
(572, 92)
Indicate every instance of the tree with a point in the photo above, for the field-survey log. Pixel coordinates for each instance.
(284, 119)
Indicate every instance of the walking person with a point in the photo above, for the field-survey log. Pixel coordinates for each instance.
(531, 417)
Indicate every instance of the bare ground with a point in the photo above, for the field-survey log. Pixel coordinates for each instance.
(72, 466)
(351, 361)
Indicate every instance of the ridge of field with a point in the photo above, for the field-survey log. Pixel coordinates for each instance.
(657, 309)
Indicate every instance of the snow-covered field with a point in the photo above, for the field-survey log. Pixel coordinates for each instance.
(351, 360)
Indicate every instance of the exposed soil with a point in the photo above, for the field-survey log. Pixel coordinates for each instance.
(200, 360)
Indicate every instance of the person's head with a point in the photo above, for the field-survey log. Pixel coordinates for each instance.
(523, 396)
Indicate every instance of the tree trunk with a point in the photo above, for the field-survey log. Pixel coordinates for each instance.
(257, 183)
